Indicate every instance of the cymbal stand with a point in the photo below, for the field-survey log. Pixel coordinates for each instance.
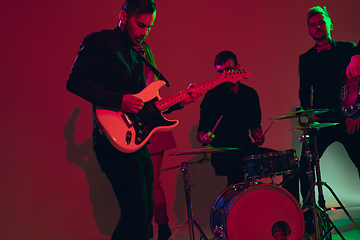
(184, 167)
(322, 230)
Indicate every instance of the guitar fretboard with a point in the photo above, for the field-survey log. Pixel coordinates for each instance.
(171, 100)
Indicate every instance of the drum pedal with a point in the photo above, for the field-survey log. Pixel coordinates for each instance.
(219, 232)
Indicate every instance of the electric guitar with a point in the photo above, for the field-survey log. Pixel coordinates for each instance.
(128, 132)
(350, 100)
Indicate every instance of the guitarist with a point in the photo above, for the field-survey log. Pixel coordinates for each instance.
(322, 72)
(108, 72)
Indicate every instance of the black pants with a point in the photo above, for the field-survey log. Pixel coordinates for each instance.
(132, 179)
(325, 137)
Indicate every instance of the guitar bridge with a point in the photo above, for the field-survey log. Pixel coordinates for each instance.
(127, 120)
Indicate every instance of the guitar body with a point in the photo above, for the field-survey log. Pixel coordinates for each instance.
(350, 104)
(128, 132)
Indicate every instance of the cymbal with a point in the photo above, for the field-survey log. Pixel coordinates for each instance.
(301, 113)
(314, 125)
(205, 149)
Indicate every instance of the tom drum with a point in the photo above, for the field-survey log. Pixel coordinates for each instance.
(271, 164)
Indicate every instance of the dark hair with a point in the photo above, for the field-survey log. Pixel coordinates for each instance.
(315, 11)
(223, 56)
(139, 7)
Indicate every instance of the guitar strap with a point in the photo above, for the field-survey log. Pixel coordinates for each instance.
(113, 42)
(153, 69)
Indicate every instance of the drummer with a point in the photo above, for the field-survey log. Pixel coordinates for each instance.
(239, 107)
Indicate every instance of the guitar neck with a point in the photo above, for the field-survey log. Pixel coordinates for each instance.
(171, 100)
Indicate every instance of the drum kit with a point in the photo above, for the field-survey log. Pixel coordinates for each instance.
(236, 211)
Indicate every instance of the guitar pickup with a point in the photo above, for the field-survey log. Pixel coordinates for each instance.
(127, 120)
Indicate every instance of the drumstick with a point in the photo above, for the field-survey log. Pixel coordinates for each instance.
(267, 129)
(211, 133)
(217, 123)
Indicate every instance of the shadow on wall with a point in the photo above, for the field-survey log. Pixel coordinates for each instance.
(206, 186)
(104, 204)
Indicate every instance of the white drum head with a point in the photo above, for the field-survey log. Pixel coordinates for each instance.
(265, 212)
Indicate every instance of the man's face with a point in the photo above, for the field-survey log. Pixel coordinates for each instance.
(137, 27)
(227, 66)
(320, 27)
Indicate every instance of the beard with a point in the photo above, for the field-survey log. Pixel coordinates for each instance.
(321, 37)
(128, 38)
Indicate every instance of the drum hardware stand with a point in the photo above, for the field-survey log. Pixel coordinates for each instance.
(253, 179)
(319, 210)
(184, 167)
(291, 176)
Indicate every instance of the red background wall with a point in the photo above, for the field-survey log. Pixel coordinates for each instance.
(50, 184)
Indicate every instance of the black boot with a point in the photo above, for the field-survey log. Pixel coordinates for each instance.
(309, 222)
(151, 235)
(164, 231)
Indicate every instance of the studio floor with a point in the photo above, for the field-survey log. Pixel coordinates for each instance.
(338, 217)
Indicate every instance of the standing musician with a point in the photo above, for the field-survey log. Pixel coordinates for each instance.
(108, 72)
(240, 107)
(322, 72)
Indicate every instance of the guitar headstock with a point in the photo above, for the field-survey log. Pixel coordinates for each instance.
(234, 75)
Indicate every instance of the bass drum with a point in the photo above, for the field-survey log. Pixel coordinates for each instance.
(257, 212)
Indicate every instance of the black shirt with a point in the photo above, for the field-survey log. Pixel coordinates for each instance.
(241, 112)
(325, 72)
(106, 67)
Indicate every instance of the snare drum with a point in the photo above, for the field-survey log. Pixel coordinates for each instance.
(257, 212)
(271, 164)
